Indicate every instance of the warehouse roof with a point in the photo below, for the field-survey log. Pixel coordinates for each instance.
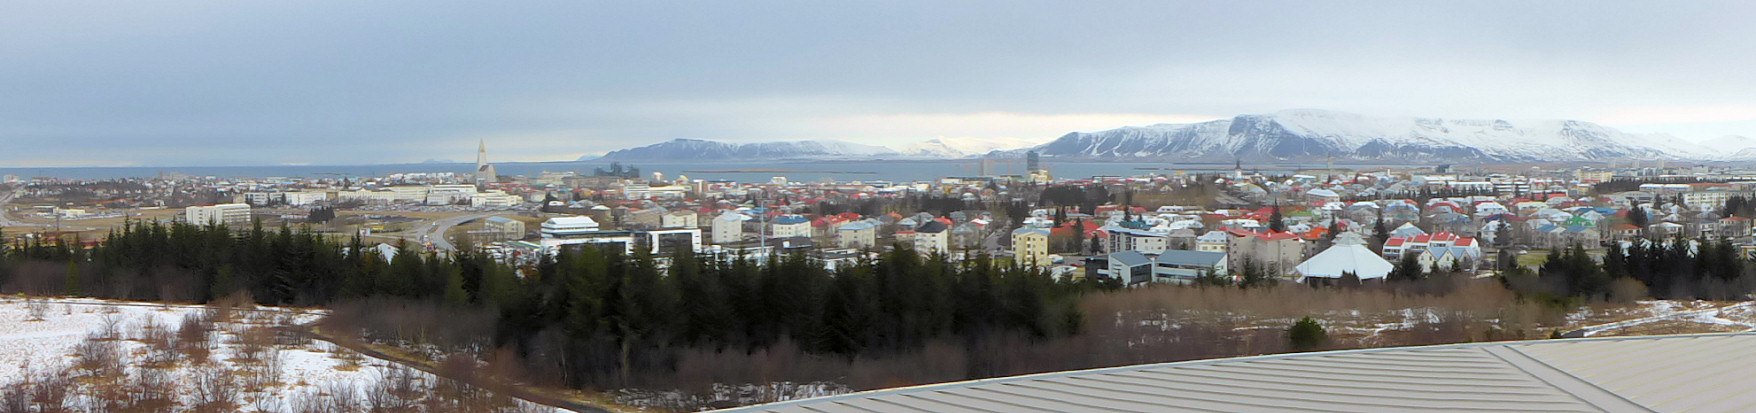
(1620, 374)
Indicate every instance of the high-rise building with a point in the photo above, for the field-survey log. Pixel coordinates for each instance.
(484, 170)
(1032, 161)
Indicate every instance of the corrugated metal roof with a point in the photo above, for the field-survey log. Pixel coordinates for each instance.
(1709, 372)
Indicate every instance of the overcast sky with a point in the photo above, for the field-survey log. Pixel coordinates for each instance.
(341, 82)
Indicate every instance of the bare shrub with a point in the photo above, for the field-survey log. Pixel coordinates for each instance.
(161, 343)
(225, 308)
(37, 392)
(214, 390)
(265, 371)
(274, 404)
(111, 324)
(195, 337)
(348, 360)
(1627, 290)
(50, 393)
(450, 392)
(16, 397)
(393, 320)
(395, 390)
(150, 390)
(344, 396)
(36, 309)
(293, 336)
(252, 342)
(100, 357)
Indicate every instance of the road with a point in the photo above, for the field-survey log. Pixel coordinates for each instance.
(5, 216)
(434, 231)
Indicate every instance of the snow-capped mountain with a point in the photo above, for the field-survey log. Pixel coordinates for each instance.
(1316, 135)
(705, 150)
(1729, 148)
(951, 148)
(1304, 135)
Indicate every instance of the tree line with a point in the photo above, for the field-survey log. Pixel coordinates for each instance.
(590, 318)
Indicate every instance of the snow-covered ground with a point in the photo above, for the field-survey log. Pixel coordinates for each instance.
(269, 371)
(1673, 316)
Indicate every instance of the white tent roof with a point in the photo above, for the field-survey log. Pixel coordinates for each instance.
(1340, 258)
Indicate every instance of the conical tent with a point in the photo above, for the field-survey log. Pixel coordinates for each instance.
(1344, 257)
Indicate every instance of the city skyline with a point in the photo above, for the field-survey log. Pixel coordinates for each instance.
(342, 83)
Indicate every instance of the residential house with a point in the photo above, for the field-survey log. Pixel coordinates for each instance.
(1212, 241)
(728, 227)
(790, 226)
(933, 236)
(857, 235)
(1124, 239)
(1030, 246)
(681, 218)
(1276, 251)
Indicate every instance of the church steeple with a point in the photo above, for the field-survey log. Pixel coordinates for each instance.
(484, 171)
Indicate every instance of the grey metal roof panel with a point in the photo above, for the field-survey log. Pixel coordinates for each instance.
(1680, 373)
(1664, 373)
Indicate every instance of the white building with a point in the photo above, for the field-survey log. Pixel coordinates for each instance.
(681, 218)
(933, 236)
(1124, 239)
(728, 227)
(791, 226)
(229, 214)
(410, 193)
(258, 198)
(364, 196)
(304, 198)
(661, 241)
(495, 199)
(559, 232)
(569, 226)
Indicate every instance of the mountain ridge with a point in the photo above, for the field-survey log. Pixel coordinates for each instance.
(1290, 135)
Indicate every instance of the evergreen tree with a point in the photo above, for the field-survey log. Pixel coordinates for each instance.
(1615, 262)
(1349, 280)
(1637, 216)
(71, 287)
(1408, 268)
(1306, 334)
(1078, 233)
(1275, 222)
(455, 295)
(1380, 235)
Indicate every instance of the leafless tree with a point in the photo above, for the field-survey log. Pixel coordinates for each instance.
(395, 390)
(101, 357)
(160, 341)
(344, 396)
(36, 307)
(150, 390)
(214, 390)
(112, 324)
(195, 337)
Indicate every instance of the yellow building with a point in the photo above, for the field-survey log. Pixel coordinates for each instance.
(1030, 246)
